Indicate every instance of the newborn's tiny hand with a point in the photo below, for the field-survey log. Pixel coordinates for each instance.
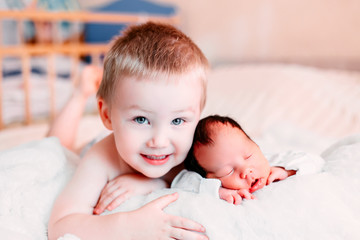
(244, 193)
(229, 195)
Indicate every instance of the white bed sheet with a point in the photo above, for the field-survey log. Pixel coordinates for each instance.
(317, 206)
(281, 108)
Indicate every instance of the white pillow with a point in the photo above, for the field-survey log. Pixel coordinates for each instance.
(259, 96)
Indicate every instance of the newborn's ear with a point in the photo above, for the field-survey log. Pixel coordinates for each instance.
(104, 112)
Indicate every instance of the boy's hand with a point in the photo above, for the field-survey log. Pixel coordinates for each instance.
(123, 187)
(279, 173)
(151, 222)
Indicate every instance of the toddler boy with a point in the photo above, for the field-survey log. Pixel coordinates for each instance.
(151, 96)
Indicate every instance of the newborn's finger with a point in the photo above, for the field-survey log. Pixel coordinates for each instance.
(270, 179)
(229, 199)
(246, 195)
(237, 199)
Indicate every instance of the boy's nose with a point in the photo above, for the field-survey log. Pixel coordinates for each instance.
(159, 139)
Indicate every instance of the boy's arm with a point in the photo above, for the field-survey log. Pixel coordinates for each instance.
(72, 212)
(75, 203)
(125, 186)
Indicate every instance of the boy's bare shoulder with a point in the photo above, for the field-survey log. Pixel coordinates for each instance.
(104, 155)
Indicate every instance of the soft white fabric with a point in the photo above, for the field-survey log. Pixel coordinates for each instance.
(31, 176)
(193, 182)
(321, 205)
(302, 162)
(314, 206)
(324, 101)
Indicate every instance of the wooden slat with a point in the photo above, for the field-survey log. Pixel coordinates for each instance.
(71, 48)
(1, 88)
(83, 16)
(52, 79)
(75, 49)
(26, 78)
(74, 74)
(1, 96)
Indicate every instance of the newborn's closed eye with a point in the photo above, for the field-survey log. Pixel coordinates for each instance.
(228, 174)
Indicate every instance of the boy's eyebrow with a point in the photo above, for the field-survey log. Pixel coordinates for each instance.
(189, 109)
(137, 107)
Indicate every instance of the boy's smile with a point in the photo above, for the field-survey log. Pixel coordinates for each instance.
(156, 160)
(154, 121)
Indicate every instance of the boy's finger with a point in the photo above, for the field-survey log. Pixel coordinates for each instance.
(102, 204)
(178, 233)
(164, 201)
(109, 197)
(187, 224)
(118, 201)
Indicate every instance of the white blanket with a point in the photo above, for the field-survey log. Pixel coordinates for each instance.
(318, 206)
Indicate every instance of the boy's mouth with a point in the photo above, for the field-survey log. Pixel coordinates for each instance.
(155, 159)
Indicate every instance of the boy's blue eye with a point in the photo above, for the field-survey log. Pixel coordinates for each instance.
(177, 121)
(141, 120)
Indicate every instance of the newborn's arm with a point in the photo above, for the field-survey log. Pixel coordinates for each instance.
(279, 173)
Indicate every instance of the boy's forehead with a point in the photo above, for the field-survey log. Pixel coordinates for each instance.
(179, 94)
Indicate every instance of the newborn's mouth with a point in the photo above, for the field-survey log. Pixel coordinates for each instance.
(254, 183)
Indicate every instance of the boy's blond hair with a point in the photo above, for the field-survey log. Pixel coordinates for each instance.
(151, 50)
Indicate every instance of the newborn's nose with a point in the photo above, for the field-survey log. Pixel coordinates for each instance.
(247, 174)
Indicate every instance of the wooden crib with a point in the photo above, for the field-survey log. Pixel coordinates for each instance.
(75, 49)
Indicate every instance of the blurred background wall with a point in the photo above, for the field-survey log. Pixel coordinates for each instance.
(319, 32)
(316, 32)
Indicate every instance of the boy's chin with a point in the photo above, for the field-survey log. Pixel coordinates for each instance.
(158, 173)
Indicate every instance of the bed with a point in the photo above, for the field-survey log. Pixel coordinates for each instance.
(281, 106)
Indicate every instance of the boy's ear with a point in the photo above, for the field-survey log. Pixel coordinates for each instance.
(104, 112)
